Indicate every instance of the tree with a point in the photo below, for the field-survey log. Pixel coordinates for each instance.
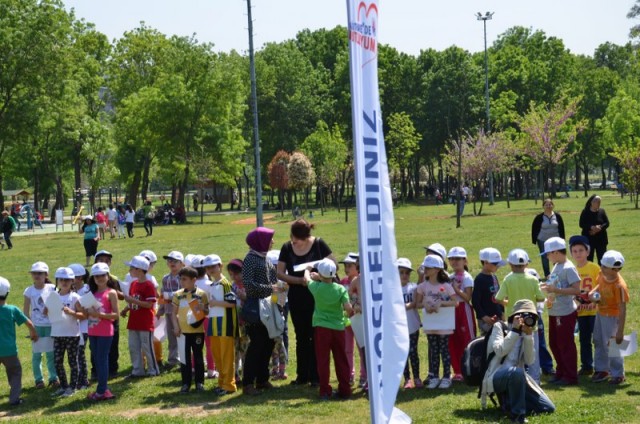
(327, 152)
(629, 160)
(301, 174)
(551, 135)
(279, 175)
(402, 143)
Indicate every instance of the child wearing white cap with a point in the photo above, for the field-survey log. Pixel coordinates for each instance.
(434, 293)
(610, 319)
(66, 332)
(10, 316)
(33, 307)
(562, 286)
(142, 299)
(81, 286)
(413, 323)
(465, 331)
(170, 285)
(485, 288)
(331, 301)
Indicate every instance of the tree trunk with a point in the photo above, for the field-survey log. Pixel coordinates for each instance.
(247, 183)
(134, 187)
(59, 194)
(36, 189)
(174, 193)
(183, 187)
(145, 176)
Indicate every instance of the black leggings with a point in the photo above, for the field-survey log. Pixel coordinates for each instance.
(148, 226)
(414, 358)
(302, 317)
(130, 229)
(256, 364)
(69, 345)
(7, 238)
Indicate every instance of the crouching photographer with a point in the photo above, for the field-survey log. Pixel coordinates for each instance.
(507, 354)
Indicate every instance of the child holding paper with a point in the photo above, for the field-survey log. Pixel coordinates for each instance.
(102, 311)
(610, 319)
(66, 332)
(434, 293)
(185, 302)
(34, 308)
(81, 286)
(10, 316)
(223, 324)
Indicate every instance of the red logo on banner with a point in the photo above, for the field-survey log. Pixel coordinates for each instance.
(363, 32)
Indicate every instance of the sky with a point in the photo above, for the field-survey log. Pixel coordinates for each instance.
(407, 25)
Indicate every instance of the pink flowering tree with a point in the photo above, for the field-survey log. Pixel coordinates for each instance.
(550, 136)
(279, 175)
(475, 156)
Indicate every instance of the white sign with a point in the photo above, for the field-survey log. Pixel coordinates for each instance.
(385, 319)
(444, 319)
(54, 306)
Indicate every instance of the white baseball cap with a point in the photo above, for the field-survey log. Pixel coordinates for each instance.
(139, 262)
(457, 252)
(39, 267)
(188, 258)
(150, 255)
(404, 263)
(326, 268)
(78, 270)
(196, 261)
(102, 253)
(175, 255)
(65, 273)
(5, 286)
(553, 244)
(433, 261)
(518, 257)
(612, 259)
(438, 249)
(87, 217)
(532, 271)
(99, 268)
(351, 258)
(273, 256)
(211, 260)
(492, 255)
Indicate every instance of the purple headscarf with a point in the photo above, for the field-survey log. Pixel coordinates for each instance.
(259, 239)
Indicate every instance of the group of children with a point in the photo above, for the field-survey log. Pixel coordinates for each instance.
(200, 309)
(592, 296)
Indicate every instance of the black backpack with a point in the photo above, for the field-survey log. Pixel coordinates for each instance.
(475, 360)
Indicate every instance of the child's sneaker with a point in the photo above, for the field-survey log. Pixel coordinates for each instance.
(69, 392)
(458, 378)
(418, 383)
(616, 381)
(40, 385)
(54, 384)
(433, 383)
(199, 387)
(212, 374)
(58, 392)
(409, 384)
(108, 395)
(95, 397)
(600, 376)
(445, 383)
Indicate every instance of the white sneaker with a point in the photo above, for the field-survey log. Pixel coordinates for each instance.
(445, 383)
(433, 383)
(58, 392)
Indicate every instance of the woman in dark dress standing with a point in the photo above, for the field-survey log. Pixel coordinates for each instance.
(302, 248)
(259, 279)
(594, 223)
(546, 225)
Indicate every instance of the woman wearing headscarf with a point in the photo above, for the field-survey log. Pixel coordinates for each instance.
(260, 281)
(594, 223)
(302, 248)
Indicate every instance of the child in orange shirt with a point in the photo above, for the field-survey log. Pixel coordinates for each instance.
(612, 298)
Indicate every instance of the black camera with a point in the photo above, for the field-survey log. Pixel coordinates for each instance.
(529, 319)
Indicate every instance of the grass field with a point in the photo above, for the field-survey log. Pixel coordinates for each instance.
(416, 226)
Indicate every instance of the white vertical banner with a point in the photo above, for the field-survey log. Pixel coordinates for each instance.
(386, 333)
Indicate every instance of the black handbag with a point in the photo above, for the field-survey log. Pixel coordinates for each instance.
(251, 310)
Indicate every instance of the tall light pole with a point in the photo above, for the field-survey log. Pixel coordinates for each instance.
(484, 18)
(254, 109)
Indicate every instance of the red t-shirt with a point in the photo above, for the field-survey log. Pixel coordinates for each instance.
(141, 319)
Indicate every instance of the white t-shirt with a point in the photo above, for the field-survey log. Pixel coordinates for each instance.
(129, 217)
(37, 304)
(467, 281)
(112, 215)
(203, 284)
(69, 327)
(216, 292)
(413, 316)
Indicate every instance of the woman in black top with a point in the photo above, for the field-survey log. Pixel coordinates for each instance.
(302, 248)
(546, 225)
(594, 223)
(260, 281)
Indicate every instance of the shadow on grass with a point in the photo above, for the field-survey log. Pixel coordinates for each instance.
(479, 415)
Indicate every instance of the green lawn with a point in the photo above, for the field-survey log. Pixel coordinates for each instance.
(416, 226)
